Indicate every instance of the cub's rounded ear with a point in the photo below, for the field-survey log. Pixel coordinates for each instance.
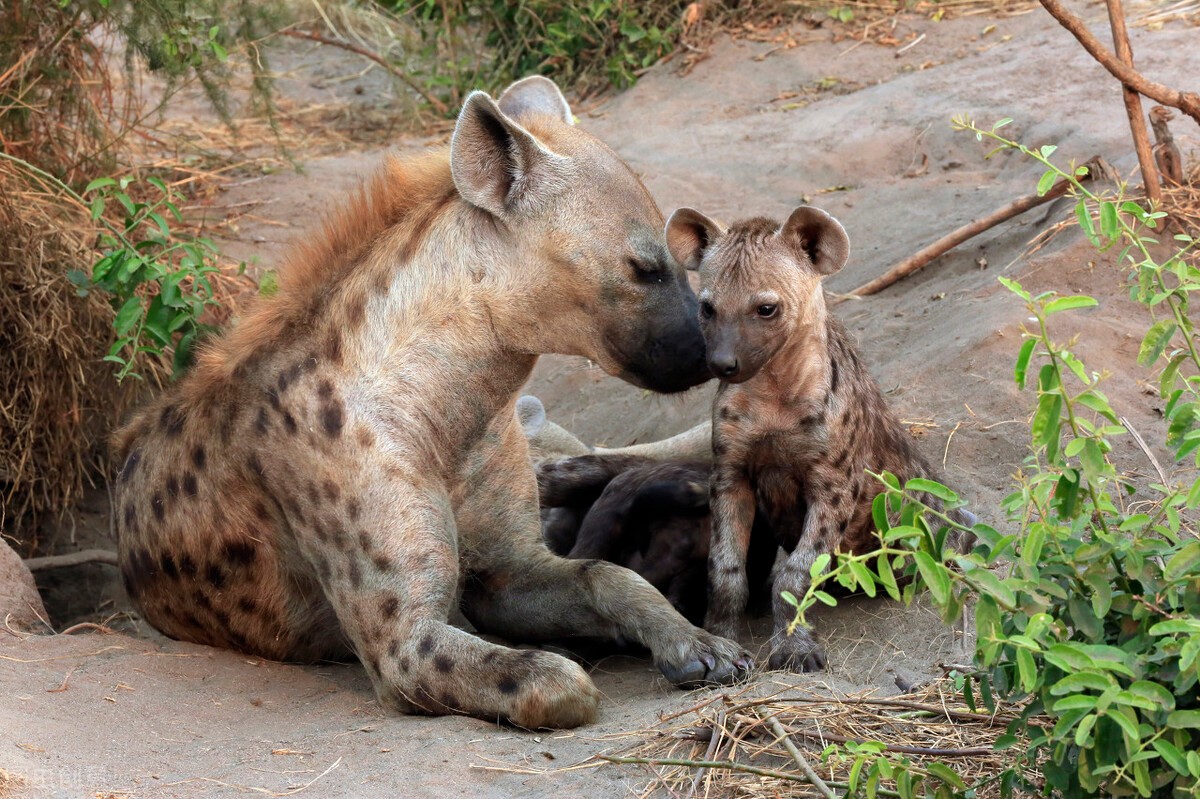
(689, 234)
(535, 95)
(816, 237)
(498, 165)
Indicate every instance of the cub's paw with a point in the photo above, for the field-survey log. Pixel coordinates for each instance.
(554, 694)
(796, 652)
(705, 659)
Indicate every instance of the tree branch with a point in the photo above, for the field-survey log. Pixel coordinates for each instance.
(1187, 102)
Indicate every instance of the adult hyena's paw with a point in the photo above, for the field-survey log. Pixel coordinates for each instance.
(549, 692)
(705, 659)
(796, 652)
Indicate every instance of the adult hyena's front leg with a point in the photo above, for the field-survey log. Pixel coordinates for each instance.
(392, 583)
(800, 651)
(733, 507)
(518, 589)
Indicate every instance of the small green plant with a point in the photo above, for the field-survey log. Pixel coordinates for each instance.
(487, 43)
(1095, 630)
(158, 282)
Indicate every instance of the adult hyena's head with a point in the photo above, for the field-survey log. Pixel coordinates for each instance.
(585, 234)
(760, 282)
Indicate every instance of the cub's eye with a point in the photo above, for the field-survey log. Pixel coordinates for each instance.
(767, 311)
(707, 311)
(645, 273)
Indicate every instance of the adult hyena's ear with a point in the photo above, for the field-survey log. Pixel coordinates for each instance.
(535, 95)
(499, 166)
(816, 237)
(689, 234)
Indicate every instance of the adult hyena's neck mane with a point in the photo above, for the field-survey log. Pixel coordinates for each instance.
(324, 279)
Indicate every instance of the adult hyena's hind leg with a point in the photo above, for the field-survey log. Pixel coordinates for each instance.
(392, 586)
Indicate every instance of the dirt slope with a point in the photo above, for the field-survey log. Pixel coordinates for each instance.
(90, 714)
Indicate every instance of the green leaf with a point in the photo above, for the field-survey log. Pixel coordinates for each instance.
(1023, 362)
(98, 183)
(1158, 696)
(1084, 729)
(1185, 563)
(1026, 670)
(1082, 681)
(1046, 182)
(1014, 287)
(945, 774)
(128, 316)
(1171, 753)
(920, 484)
(863, 575)
(1108, 221)
(935, 576)
(1074, 702)
(1085, 221)
(1155, 341)
(1047, 150)
(1069, 658)
(1069, 303)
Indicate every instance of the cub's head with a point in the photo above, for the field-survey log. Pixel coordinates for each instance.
(583, 235)
(760, 282)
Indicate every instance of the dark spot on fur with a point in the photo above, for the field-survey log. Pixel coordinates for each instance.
(260, 421)
(239, 553)
(389, 607)
(355, 573)
(449, 700)
(332, 491)
(187, 566)
(508, 686)
(405, 663)
(393, 648)
(255, 465)
(201, 600)
(491, 655)
(156, 505)
(323, 569)
(248, 605)
(529, 655)
(356, 311)
(333, 348)
(215, 576)
(382, 562)
(364, 541)
(130, 515)
(332, 418)
(273, 398)
(443, 664)
(190, 487)
(352, 509)
(426, 646)
(325, 390)
(172, 420)
(172, 487)
(130, 465)
(199, 458)
(366, 438)
(833, 377)
(167, 564)
(587, 565)
(260, 510)
(289, 423)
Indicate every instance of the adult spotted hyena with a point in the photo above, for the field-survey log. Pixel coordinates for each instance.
(797, 420)
(345, 465)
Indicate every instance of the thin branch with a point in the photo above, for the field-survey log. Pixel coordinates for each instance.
(437, 104)
(1141, 442)
(73, 559)
(1133, 106)
(732, 766)
(948, 242)
(801, 761)
(1187, 102)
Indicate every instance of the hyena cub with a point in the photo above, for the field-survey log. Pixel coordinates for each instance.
(797, 419)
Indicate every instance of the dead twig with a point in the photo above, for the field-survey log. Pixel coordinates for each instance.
(732, 766)
(1141, 442)
(72, 559)
(801, 760)
(1133, 105)
(1187, 102)
(970, 230)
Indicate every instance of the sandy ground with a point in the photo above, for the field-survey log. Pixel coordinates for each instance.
(91, 714)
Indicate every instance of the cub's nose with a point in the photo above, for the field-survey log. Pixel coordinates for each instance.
(723, 368)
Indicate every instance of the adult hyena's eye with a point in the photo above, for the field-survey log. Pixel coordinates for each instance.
(767, 311)
(707, 311)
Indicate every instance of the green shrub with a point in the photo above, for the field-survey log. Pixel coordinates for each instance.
(1095, 630)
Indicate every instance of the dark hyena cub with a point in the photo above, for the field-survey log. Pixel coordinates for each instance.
(797, 419)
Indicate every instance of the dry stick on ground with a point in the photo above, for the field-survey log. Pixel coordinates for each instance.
(970, 230)
(73, 559)
(781, 734)
(1187, 102)
(1133, 106)
(437, 104)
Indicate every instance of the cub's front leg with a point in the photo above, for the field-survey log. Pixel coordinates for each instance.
(800, 651)
(733, 504)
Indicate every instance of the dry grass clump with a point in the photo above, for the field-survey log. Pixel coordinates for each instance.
(1182, 202)
(57, 396)
(739, 744)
